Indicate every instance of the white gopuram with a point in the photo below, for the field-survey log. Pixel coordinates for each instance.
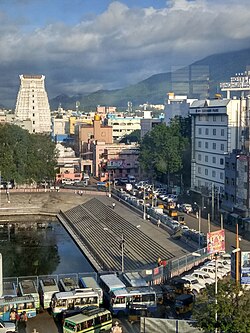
(33, 105)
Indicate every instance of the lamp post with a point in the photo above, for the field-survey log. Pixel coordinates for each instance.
(144, 205)
(237, 252)
(122, 251)
(216, 291)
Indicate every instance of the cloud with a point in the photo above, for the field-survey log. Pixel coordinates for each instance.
(118, 47)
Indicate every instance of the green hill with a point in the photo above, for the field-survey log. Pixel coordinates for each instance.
(154, 89)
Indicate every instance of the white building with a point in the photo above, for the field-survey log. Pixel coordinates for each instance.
(123, 126)
(32, 103)
(216, 130)
(176, 105)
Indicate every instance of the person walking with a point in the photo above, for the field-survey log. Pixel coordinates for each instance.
(158, 223)
(13, 316)
(113, 205)
(22, 323)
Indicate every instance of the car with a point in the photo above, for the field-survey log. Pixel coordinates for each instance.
(195, 285)
(210, 270)
(186, 208)
(220, 268)
(7, 327)
(203, 277)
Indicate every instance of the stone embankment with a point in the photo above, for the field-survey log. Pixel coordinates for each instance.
(20, 204)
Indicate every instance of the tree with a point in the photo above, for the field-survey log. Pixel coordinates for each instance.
(25, 157)
(135, 136)
(161, 150)
(233, 309)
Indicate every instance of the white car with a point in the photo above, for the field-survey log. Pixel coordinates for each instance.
(203, 277)
(195, 285)
(210, 270)
(7, 327)
(220, 268)
(186, 208)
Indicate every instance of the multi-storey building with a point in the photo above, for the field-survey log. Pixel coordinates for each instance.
(123, 126)
(217, 127)
(32, 104)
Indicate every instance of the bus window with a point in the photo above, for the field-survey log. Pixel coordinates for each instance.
(148, 298)
(30, 305)
(120, 300)
(78, 301)
(90, 323)
(20, 306)
(61, 302)
(136, 298)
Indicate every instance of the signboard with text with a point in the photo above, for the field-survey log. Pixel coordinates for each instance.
(216, 241)
(115, 164)
(245, 268)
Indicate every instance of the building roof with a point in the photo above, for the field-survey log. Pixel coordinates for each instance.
(202, 103)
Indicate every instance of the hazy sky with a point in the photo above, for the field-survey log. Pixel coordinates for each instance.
(87, 45)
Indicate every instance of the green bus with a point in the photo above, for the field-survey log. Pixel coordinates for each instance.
(91, 320)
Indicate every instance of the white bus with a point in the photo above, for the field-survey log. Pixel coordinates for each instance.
(109, 283)
(90, 282)
(134, 279)
(123, 299)
(77, 298)
(68, 284)
(29, 287)
(92, 321)
(47, 287)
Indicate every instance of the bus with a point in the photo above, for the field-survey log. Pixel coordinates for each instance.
(123, 299)
(90, 282)
(47, 287)
(29, 287)
(109, 283)
(73, 299)
(19, 304)
(134, 279)
(91, 321)
(68, 284)
(9, 289)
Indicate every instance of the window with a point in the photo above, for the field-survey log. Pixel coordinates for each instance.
(199, 144)
(214, 145)
(206, 145)
(214, 131)
(199, 157)
(206, 131)
(214, 159)
(221, 175)
(221, 161)
(206, 172)
(245, 185)
(214, 118)
(213, 173)
(200, 131)
(199, 169)
(206, 158)
(222, 132)
(222, 118)
(222, 146)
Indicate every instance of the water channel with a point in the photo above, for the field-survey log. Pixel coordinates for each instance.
(40, 249)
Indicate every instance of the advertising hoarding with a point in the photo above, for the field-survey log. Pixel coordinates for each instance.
(245, 268)
(115, 164)
(216, 241)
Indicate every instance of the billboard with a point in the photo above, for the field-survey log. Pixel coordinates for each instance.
(115, 164)
(245, 268)
(216, 241)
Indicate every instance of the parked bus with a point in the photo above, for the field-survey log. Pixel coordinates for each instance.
(9, 289)
(28, 287)
(68, 284)
(91, 321)
(134, 279)
(72, 299)
(90, 282)
(123, 299)
(19, 304)
(47, 287)
(109, 283)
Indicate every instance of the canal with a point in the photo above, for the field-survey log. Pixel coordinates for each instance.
(40, 249)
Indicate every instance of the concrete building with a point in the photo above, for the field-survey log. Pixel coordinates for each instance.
(217, 127)
(123, 126)
(114, 160)
(176, 105)
(32, 104)
(148, 123)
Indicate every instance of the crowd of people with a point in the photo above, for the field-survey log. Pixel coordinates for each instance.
(19, 320)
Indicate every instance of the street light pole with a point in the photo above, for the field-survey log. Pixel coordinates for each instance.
(209, 222)
(199, 227)
(216, 292)
(144, 205)
(237, 254)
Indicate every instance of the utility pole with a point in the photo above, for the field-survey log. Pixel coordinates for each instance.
(144, 205)
(212, 202)
(209, 222)
(199, 227)
(122, 248)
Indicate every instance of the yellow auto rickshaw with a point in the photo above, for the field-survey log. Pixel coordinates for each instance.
(184, 303)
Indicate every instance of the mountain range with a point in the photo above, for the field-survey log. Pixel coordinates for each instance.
(213, 70)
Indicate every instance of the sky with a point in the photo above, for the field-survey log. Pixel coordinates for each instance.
(86, 45)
